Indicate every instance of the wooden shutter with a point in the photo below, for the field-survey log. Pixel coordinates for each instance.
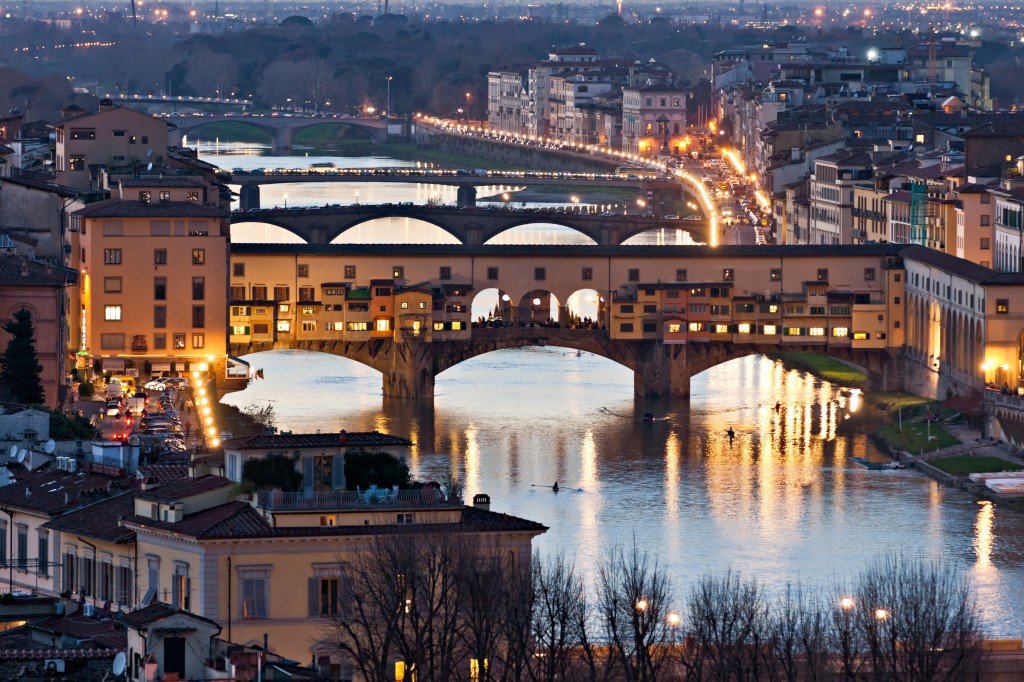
(338, 473)
(314, 597)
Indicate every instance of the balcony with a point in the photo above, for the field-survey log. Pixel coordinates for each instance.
(277, 501)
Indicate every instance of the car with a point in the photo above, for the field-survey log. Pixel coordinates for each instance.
(671, 217)
(113, 410)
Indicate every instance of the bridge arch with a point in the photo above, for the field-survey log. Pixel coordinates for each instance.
(191, 130)
(248, 226)
(362, 130)
(585, 304)
(335, 231)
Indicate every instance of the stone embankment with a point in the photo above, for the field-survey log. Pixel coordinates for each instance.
(428, 137)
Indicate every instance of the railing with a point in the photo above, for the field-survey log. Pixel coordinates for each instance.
(366, 499)
(1011, 400)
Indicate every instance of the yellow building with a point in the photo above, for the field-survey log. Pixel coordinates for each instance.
(154, 279)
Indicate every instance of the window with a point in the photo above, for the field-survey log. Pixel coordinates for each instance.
(198, 340)
(192, 196)
(112, 313)
(198, 316)
(123, 586)
(76, 163)
(633, 274)
(540, 274)
(180, 588)
(236, 293)
(696, 327)
(105, 583)
(159, 288)
(259, 292)
(112, 285)
(309, 326)
(282, 294)
(382, 325)
(43, 553)
(674, 327)
(198, 256)
(770, 330)
(179, 341)
(743, 328)
(822, 274)
(112, 341)
(325, 596)
(1002, 306)
(398, 272)
(775, 274)
(984, 243)
(238, 269)
(869, 274)
(423, 305)
(113, 228)
(198, 288)
(284, 326)
(984, 221)
(358, 326)
(83, 134)
(728, 274)
(446, 272)
(405, 518)
(350, 272)
(159, 341)
(145, 196)
(3, 543)
(626, 327)
(880, 335)
(112, 256)
(587, 274)
(404, 305)
(681, 275)
(160, 256)
(816, 331)
(492, 273)
(253, 589)
(625, 309)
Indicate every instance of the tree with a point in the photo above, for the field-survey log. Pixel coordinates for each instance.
(364, 468)
(19, 365)
(274, 470)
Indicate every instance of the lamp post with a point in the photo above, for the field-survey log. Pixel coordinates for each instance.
(388, 111)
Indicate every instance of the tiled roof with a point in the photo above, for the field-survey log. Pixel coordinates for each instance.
(121, 208)
(1005, 125)
(100, 521)
(241, 520)
(353, 439)
(899, 197)
(154, 613)
(183, 488)
(160, 182)
(79, 626)
(17, 271)
(500, 250)
(960, 267)
(46, 490)
(41, 181)
(162, 474)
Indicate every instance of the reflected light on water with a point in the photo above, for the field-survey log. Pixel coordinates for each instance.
(983, 535)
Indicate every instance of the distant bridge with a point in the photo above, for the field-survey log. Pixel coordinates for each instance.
(183, 100)
(468, 225)
(281, 129)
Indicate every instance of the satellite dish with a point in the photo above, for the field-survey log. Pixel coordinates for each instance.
(50, 446)
(149, 152)
(13, 451)
(149, 166)
(22, 454)
(120, 663)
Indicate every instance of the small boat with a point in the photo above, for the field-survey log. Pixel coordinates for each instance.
(877, 466)
(648, 417)
(324, 164)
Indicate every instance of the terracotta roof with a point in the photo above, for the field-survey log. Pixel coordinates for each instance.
(100, 521)
(353, 439)
(46, 490)
(140, 619)
(899, 197)
(17, 271)
(241, 520)
(160, 182)
(960, 267)
(183, 488)
(1005, 125)
(162, 474)
(123, 208)
(79, 626)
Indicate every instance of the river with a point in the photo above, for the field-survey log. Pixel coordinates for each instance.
(782, 503)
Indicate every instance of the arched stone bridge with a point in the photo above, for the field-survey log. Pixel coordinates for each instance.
(281, 129)
(409, 368)
(469, 226)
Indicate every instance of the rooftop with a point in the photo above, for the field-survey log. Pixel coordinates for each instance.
(100, 521)
(960, 267)
(53, 492)
(18, 271)
(123, 208)
(183, 488)
(352, 439)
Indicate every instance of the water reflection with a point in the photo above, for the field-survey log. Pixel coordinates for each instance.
(783, 502)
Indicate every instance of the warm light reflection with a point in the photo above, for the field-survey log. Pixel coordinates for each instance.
(983, 535)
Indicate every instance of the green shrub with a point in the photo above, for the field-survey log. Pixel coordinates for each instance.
(86, 389)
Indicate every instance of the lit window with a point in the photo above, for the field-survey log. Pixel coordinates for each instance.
(721, 329)
(793, 331)
(773, 308)
(382, 325)
(817, 331)
(743, 328)
(358, 326)
(240, 330)
(840, 332)
(405, 305)
(770, 329)
(456, 326)
(284, 326)
(112, 313)
(860, 336)
(674, 328)
(696, 326)
(439, 326)
(309, 326)
(283, 308)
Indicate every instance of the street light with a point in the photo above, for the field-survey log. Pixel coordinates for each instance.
(388, 111)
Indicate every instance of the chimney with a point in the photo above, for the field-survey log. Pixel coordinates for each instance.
(342, 437)
(28, 491)
(482, 501)
(106, 104)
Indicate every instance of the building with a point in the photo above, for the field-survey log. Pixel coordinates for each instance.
(154, 264)
(1008, 237)
(112, 137)
(654, 121)
(40, 288)
(831, 195)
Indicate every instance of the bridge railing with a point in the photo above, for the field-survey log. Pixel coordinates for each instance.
(365, 499)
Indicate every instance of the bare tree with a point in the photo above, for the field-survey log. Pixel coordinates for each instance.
(634, 603)
(727, 619)
(797, 642)
(919, 621)
(486, 592)
(559, 617)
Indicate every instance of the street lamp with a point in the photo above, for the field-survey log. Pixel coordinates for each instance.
(388, 111)
(468, 97)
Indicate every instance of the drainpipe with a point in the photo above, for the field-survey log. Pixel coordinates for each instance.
(229, 598)
(10, 547)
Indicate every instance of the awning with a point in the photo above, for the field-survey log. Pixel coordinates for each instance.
(240, 361)
(156, 367)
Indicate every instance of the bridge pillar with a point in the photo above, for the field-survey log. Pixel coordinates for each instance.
(409, 374)
(249, 196)
(662, 370)
(466, 195)
(283, 139)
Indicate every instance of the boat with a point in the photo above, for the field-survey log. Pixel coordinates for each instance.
(648, 417)
(324, 164)
(877, 466)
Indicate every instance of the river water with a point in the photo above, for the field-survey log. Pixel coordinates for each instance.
(782, 503)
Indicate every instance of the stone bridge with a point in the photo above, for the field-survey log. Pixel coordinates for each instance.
(469, 226)
(409, 368)
(281, 129)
